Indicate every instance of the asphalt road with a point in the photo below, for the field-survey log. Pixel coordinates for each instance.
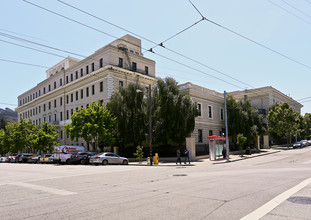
(201, 191)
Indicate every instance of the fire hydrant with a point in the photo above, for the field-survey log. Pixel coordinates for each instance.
(156, 159)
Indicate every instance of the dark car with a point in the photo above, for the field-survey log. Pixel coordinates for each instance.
(81, 158)
(26, 158)
(298, 144)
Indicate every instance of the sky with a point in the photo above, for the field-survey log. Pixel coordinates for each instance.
(240, 44)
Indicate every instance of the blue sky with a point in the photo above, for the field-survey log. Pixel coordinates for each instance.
(157, 20)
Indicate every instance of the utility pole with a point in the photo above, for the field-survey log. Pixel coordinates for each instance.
(150, 126)
(226, 124)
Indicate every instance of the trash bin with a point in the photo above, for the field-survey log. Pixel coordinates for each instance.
(156, 159)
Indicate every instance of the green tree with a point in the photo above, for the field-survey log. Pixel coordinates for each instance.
(243, 119)
(139, 153)
(241, 140)
(173, 112)
(283, 121)
(2, 123)
(44, 138)
(94, 124)
(3, 147)
(307, 125)
(130, 108)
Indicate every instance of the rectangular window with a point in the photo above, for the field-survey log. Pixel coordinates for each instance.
(55, 117)
(49, 88)
(61, 134)
(39, 109)
(36, 94)
(210, 112)
(67, 114)
(39, 92)
(77, 74)
(101, 63)
(44, 107)
(61, 101)
(221, 114)
(67, 80)
(77, 108)
(39, 121)
(81, 92)
(101, 86)
(93, 67)
(49, 105)
(87, 69)
(71, 77)
(36, 110)
(54, 85)
(81, 72)
(55, 103)
(121, 83)
(43, 90)
(71, 97)
(71, 112)
(61, 116)
(120, 62)
(134, 66)
(200, 109)
(146, 70)
(200, 136)
(93, 89)
(210, 132)
(49, 118)
(44, 119)
(77, 95)
(87, 91)
(67, 99)
(60, 82)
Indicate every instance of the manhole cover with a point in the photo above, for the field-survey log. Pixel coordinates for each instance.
(300, 200)
(180, 174)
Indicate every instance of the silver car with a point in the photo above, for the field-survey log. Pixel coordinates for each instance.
(108, 158)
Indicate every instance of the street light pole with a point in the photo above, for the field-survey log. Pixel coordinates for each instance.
(150, 126)
(226, 124)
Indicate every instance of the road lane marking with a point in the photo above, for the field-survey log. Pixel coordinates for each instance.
(269, 206)
(45, 189)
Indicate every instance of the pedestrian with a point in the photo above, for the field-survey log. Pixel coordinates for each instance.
(178, 156)
(186, 152)
(224, 152)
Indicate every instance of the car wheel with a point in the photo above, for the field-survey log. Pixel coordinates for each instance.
(82, 162)
(105, 162)
(125, 162)
(68, 162)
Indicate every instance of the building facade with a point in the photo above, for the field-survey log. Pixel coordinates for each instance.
(211, 119)
(74, 83)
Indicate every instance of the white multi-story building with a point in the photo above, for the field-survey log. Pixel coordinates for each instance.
(74, 83)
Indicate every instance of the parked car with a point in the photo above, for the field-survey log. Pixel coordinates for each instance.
(11, 159)
(304, 143)
(309, 141)
(3, 159)
(108, 158)
(298, 144)
(80, 158)
(34, 159)
(18, 158)
(47, 158)
(25, 158)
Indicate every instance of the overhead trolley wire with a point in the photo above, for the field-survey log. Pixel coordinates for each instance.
(297, 9)
(284, 9)
(161, 44)
(257, 43)
(28, 64)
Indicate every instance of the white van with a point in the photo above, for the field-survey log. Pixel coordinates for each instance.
(62, 153)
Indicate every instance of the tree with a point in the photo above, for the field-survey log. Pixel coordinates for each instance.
(307, 125)
(2, 123)
(173, 112)
(139, 153)
(283, 121)
(44, 137)
(243, 119)
(3, 147)
(241, 140)
(94, 124)
(130, 108)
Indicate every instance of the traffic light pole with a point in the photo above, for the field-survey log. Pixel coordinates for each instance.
(226, 124)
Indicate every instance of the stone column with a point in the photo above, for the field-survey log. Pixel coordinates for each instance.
(266, 141)
(190, 145)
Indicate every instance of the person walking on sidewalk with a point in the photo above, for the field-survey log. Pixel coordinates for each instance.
(178, 156)
(187, 158)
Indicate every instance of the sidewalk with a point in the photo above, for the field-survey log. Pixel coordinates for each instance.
(171, 161)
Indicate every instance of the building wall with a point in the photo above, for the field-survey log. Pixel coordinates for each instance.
(69, 86)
